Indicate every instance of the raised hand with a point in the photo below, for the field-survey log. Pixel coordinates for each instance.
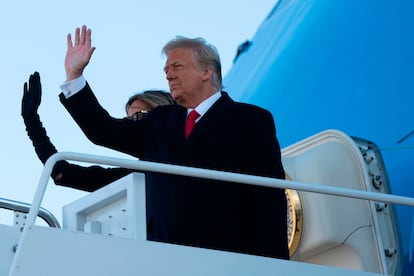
(79, 53)
(32, 95)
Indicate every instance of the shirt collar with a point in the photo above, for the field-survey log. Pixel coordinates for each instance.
(205, 105)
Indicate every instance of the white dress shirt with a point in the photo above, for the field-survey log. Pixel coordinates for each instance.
(70, 88)
(205, 105)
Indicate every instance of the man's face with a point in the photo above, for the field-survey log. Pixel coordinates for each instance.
(184, 78)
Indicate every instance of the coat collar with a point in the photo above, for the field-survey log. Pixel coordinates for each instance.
(211, 117)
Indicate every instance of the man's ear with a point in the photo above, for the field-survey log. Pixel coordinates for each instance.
(208, 74)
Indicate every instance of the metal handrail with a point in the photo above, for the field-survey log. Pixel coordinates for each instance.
(194, 172)
(205, 173)
(23, 207)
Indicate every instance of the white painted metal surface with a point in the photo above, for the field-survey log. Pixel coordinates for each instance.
(118, 210)
(51, 252)
(339, 231)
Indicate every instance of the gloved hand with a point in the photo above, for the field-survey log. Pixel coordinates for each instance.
(32, 95)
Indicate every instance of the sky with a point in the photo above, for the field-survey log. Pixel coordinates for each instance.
(128, 36)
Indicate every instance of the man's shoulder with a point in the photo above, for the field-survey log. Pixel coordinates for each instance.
(247, 114)
(170, 108)
(252, 109)
(173, 110)
(237, 104)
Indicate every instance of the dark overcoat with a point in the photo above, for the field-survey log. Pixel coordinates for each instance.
(231, 136)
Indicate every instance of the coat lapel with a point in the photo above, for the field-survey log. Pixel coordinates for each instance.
(212, 117)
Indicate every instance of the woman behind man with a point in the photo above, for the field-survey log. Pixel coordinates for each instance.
(64, 173)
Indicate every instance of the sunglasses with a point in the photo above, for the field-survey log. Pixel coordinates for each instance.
(139, 115)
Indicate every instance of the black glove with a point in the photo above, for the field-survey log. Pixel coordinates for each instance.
(37, 133)
(32, 95)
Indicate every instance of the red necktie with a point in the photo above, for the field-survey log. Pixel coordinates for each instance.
(190, 123)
